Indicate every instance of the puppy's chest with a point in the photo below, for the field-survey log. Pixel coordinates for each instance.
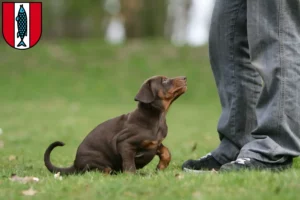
(156, 138)
(162, 131)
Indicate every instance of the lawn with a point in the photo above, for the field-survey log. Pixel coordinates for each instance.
(62, 90)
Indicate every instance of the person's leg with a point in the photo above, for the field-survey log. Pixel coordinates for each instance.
(274, 41)
(239, 85)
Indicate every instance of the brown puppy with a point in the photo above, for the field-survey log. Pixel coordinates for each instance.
(130, 141)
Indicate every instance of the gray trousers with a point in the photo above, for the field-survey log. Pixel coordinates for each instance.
(254, 48)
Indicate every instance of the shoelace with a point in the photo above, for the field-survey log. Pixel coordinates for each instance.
(241, 160)
(204, 157)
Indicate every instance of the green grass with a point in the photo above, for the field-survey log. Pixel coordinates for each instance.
(62, 90)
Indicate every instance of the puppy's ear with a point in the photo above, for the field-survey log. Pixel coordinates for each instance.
(145, 94)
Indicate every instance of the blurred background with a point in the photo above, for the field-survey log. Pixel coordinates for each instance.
(89, 64)
(127, 40)
(180, 21)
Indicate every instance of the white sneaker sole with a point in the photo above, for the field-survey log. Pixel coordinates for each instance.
(196, 171)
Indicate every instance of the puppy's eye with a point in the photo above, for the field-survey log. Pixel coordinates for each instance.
(164, 80)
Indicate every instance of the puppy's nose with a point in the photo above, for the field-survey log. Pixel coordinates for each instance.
(183, 77)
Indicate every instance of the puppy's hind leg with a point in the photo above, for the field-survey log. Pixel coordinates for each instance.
(95, 167)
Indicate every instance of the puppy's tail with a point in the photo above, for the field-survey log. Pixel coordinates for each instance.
(52, 168)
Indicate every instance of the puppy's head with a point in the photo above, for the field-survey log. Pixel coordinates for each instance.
(161, 91)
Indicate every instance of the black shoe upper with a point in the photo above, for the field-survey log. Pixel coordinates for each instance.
(207, 162)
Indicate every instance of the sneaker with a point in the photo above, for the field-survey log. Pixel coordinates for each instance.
(205, 163)
(252, 164)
